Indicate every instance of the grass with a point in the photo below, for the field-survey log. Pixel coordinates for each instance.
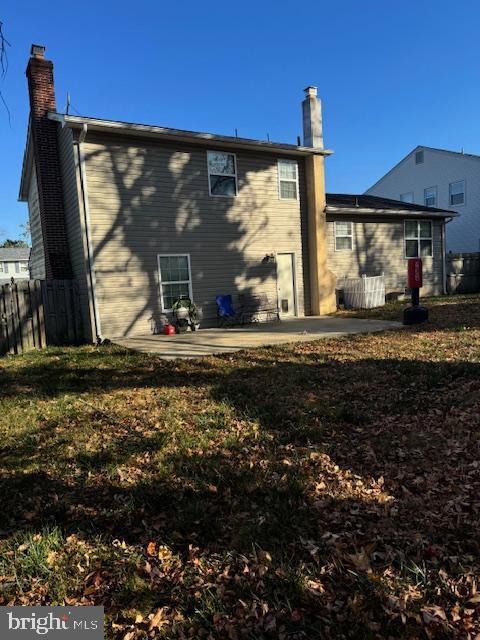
(319, 490)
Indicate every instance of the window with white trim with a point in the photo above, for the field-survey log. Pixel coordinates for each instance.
(343, 236)
(407, 197)
(430, 196)
(175, 279)
(24, 266)
(2, 269)
(222, 173)
(418, 239)
(457, 193)
(287, 179)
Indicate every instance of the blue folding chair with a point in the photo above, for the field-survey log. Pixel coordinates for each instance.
(226, 314)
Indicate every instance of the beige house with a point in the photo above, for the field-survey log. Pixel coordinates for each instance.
(372, 235)
(141, 215)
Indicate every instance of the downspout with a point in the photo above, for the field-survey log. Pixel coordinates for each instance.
(444, 256)
(88, 235)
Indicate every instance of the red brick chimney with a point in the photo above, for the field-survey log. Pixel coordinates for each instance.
(47, 165)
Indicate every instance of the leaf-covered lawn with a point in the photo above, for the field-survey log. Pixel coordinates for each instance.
(322, 490)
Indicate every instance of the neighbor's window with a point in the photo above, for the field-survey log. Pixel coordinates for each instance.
(287, 180)
(430, 196)
(343, 236)
(222, 173)
(24, 266)
(175, 279)
(419, 157)
(457, 192)
(418, 239)
(1, 267)
(406, 197)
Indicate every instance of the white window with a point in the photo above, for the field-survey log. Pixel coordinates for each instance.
(222, 173)
(418, 239)
(407, 197)
(430, 196)
(343, 236)
(457, 193)
(1, 267)
(24, 266)
(175, 279)
(419, 157)
(287, 180)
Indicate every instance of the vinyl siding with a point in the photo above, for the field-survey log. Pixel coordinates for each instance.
(74, 223)
(439, 169)
(12, 269)
(37, 256)
(378, 247)
(149, 198)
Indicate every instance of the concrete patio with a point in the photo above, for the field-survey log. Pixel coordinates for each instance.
(207, 342)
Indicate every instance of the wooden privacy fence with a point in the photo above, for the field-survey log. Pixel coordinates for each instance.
(463, 272)
(36, 313)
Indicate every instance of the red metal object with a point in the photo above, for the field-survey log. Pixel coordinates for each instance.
(169, 330)
(415, 277)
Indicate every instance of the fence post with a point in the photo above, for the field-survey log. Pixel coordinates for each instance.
(4, 343)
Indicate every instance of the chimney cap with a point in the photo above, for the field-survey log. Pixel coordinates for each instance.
(37, 51)
(311, 90)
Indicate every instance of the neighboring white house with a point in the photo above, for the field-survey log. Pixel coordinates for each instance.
(14, 263)
(444, 179)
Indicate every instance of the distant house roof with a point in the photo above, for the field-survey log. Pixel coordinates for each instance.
(11, 254)
(375, 205)
(420, 147)
(456, 153)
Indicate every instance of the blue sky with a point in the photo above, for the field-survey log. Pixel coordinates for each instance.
(391, 74)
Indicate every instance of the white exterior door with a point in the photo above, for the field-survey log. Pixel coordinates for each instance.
(286, 284)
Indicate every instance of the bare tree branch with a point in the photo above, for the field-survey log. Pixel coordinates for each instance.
(4, 43)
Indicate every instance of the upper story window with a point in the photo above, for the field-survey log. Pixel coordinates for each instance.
(24, 266)
(418, 238)
(419, 157)
(407, 197)
(343, 236)
(2, 270)
(287, 180)
(430, 196)
(457, 193)
(222, 173)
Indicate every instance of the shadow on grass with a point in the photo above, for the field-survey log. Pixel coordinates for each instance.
(377, 454)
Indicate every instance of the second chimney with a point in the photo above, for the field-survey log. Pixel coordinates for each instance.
(312, 119)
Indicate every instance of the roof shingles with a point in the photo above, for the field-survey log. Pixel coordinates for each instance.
(352, 202)
(12, 254)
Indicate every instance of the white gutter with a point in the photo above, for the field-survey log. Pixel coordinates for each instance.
(88, 235)
(349, 210)
(179, 135)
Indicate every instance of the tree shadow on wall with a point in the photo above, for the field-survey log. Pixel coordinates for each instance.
(161, 205)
